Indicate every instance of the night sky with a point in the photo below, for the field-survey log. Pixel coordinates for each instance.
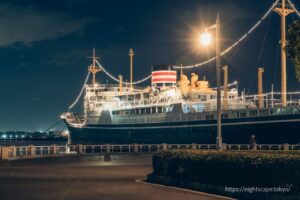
(44, 47)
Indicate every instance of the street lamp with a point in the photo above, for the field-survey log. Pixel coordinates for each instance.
(205, 40)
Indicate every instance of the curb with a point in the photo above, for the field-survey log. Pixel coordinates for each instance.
(143, 180)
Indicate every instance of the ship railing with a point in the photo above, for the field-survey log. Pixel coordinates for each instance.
(129, 105)
(98, 86)
(256, 112)
(262, 147)
(20, 152)
(32, 151)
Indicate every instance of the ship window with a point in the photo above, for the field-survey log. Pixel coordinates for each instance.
(117, 112)
(225, 116)
(153, 110)
(138, 96)
(209, 117)
(159, 109)
(171, 108)
(130, 98)
(164, 109)
(167, 109)
(253, 113)
(263, 112)
(92, 98)
(143, 111)
(203, 98)
(147, 110)
(242, 114)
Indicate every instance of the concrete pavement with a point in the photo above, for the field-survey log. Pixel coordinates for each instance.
(77, 178)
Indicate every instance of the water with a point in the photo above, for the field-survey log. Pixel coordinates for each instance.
(12, 142)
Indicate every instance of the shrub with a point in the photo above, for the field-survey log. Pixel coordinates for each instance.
(227, 168)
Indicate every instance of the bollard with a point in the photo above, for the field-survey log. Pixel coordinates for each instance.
(4, 153)
(107, 148)
(54, 149)
(194, 146)
(136, 148)
(13, 151)
(254, 147)
(80, 149)
(164, 147)
(32, 150)
(224, 146)
(285, 146)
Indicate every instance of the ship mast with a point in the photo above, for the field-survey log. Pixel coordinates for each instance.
(260, 87)
(283, 11)
(93, 68)
(131, 54)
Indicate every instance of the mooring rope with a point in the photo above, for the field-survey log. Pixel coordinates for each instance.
(81, 92)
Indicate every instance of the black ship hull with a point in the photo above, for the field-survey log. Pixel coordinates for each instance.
(277, 129)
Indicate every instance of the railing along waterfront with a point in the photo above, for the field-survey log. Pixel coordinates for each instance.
(17, 152)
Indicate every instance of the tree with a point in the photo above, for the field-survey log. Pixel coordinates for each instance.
(293, 46)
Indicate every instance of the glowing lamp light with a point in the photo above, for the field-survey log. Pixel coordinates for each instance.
(205, 38)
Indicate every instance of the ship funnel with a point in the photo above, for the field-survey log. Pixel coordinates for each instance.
(163, 76)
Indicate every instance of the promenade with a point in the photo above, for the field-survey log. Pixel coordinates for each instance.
(86, 177)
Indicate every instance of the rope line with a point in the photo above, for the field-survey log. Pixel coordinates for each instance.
(117, 80)
(52, 126)
(229, 85)
(81, 92)
(294, 8)
(234, 44)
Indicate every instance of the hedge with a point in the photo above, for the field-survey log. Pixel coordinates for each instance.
(251, 168)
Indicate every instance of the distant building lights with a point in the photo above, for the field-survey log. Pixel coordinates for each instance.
(4, 136)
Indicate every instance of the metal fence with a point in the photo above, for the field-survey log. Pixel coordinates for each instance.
(16, 152)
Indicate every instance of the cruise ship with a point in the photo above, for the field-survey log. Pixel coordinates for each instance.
(177, 108)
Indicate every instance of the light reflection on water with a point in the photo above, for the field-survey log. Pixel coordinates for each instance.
(12, 142)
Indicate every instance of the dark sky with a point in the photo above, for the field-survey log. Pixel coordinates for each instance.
(44, 47)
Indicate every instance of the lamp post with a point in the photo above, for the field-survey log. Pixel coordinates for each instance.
(206, 39)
